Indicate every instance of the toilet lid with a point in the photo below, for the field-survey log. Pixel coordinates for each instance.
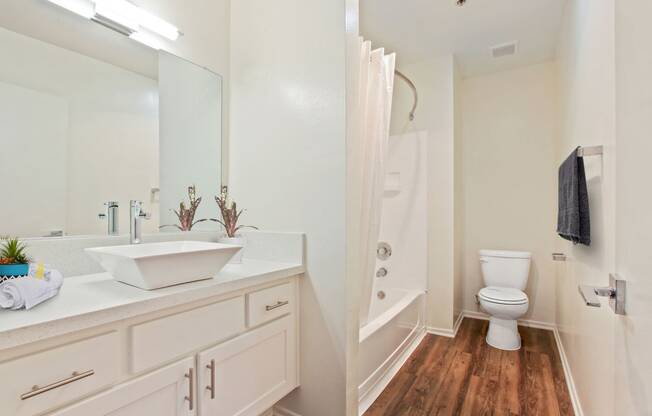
(504, 295)
(506, 254)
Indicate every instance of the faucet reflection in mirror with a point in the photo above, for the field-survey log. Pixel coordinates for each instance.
(136, 215)
(111, 215)
(185, 215)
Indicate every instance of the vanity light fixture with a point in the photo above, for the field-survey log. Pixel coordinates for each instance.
(83, 8)
(123, 17)
(146, 39)
(158, 25)
(117, 12)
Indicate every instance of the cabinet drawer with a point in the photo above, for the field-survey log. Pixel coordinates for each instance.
(41, 381)
(161, 340)
(271, 303)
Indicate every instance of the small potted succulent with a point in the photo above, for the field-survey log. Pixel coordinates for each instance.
(186, 215)
(230, 216)
(13, 258)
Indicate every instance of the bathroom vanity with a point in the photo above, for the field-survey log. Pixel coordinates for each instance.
(223, 346)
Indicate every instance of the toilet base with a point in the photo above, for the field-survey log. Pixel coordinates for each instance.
(503, 334)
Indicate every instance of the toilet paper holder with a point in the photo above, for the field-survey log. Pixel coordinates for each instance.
(616, 292)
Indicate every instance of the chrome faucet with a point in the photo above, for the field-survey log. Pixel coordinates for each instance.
(111, 216)
(136, 214)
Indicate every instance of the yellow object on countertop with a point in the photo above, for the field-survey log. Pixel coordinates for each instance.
(40, 271)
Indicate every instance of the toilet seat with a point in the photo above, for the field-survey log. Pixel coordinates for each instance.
(503, 295)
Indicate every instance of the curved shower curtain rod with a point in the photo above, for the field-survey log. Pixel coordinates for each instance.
(414, 91)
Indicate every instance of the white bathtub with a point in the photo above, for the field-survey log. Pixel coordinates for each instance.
(395, 328)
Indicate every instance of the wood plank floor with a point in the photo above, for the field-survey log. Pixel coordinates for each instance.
(465, 376)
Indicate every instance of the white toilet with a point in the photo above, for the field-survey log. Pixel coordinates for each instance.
(505, 275)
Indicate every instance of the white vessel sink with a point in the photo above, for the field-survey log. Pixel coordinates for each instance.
(155, 265)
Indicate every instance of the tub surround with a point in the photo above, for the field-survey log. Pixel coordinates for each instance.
(387, 340)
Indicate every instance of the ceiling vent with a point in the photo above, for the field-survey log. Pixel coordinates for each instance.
(505, 49)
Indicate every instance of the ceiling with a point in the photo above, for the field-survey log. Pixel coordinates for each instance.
(423, 29)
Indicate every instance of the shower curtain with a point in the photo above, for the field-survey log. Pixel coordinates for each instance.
(376, 83)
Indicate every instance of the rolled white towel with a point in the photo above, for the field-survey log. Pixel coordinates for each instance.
(27, 292)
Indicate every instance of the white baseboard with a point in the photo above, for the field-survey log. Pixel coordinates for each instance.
(441, 332)
(282, 411)
(523, 322)
(444, 332)
(570, 382)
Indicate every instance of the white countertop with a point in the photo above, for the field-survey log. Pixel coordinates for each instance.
(96, 299)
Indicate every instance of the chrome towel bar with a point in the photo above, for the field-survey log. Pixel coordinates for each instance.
(590, 151)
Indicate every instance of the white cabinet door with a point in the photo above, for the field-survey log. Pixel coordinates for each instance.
(247, 375)
(164, 392)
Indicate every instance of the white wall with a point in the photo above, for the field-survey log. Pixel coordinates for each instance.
(288, 166)
(633, 381)
(434, 80)
(586, 71)
(509, 127)
(604, 73)
(110, 145)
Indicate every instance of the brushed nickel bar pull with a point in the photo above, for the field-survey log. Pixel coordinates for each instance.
(278, 305)
(191, 388)
(211, 388)
(36, 390)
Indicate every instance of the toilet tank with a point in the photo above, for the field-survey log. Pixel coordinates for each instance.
(505, 268)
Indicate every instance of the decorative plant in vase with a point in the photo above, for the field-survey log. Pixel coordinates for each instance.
(230, 217)
(13, 258)
(185, 215)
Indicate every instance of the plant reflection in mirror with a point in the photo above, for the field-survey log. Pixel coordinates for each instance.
(185, 215)
(230, 214)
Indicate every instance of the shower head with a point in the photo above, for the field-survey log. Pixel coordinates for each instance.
(461, 2)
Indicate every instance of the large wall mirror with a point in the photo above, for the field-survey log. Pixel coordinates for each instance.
(78, 131)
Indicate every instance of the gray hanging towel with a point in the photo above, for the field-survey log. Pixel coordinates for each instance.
(573, 222)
